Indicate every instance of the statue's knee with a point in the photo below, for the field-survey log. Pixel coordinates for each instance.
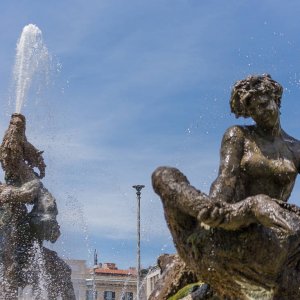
(159, 173)
(164, 177)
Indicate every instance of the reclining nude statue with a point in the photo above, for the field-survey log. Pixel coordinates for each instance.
(20, 229)
(243, 239)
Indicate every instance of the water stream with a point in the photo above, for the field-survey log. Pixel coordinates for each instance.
(32, 58)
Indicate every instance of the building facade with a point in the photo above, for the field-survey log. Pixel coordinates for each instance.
(110, 283)
(103, 282)
(151, 278)
(79, 275)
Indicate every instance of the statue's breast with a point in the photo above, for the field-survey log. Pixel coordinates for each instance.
(268, 166)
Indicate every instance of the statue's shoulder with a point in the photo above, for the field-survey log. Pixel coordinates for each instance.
(289, 139)
(237, 132)
(293, 144)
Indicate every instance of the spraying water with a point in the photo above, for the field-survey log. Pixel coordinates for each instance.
(32, 57)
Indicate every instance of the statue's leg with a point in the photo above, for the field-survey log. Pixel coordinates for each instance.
(9, 262)
(15, 240)
(10, 292)
(178, 195)
(9, 285)
(237, 255)
(181, 202)
(175, 191)
(60, 276)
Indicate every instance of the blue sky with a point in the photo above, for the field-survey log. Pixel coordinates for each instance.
(141, 84)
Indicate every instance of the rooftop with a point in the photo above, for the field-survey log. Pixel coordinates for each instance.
(100, 271)
(111, 269)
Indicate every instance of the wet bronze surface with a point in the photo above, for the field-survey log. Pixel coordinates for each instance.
(243, 238)
(21, 231)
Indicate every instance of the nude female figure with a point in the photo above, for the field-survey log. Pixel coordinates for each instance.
(258, 169)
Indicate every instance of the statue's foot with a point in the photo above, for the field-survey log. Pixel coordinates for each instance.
(260, 209)
(270, 214)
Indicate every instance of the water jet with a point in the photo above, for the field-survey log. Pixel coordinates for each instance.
(23, 258)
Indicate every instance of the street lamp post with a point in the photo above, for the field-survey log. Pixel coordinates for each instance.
(94, 274)
(138, 196)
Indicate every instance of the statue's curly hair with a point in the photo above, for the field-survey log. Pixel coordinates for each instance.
(243, 91)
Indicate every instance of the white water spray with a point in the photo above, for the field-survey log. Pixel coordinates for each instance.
(32, 57)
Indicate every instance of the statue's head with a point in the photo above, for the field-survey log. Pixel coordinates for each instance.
(18, 120)
(244, 91)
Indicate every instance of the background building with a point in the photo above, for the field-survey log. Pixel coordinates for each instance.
(111, 283)
(108, 282)
(150, 280)
(79, 275)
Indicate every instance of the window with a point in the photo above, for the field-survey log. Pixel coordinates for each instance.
(127, 296)
(108, 295)
(89, 295)
(153, 280)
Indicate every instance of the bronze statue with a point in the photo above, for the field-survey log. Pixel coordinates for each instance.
(21, 229)
(243, 239)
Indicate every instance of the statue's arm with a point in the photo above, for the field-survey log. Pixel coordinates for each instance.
(296, 151)
(24, 194)
(294, 146)
(232, 148)
(257, 209)
(34, 158)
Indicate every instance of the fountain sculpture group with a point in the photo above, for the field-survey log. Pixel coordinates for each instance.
(243, 239)
(27, 209)
(22, 232)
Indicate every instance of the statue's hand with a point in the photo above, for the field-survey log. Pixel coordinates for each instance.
(211, 215)
(34, 158)
(24, 194)
(42, 168)
(31, 187)
(29, 191)
(257, 209)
